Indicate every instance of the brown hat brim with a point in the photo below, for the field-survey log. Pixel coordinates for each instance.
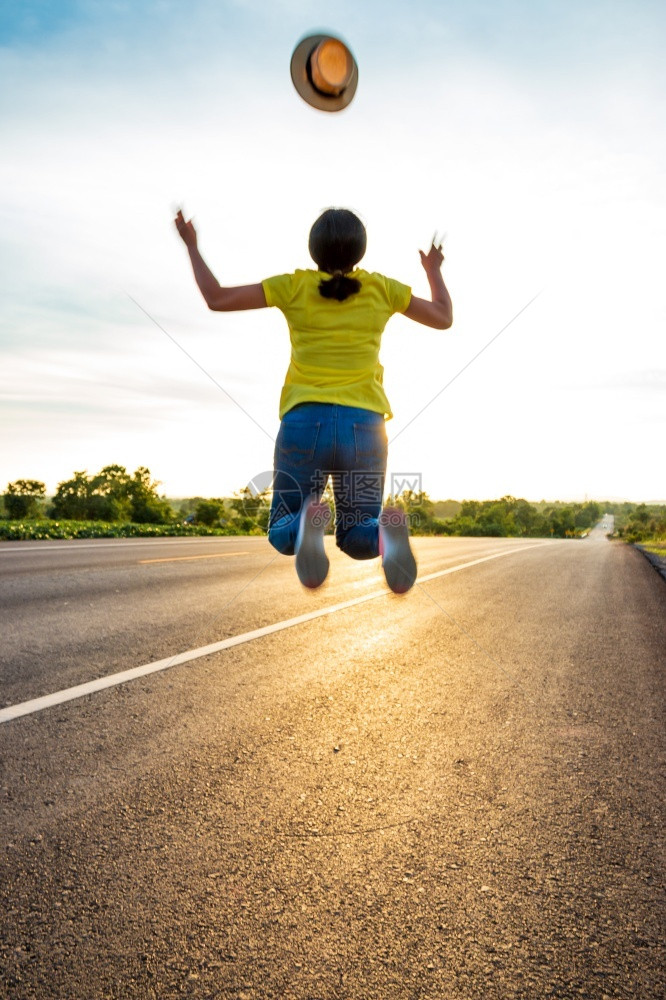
(302, 82)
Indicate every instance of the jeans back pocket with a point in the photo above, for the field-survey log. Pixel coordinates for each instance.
(371, 445)
(296, 444)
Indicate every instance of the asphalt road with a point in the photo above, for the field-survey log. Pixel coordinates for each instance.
(455, 794)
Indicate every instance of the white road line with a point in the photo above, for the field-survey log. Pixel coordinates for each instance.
(56, 545)
(112, 680)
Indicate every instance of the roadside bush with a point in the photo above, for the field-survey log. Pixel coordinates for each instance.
(45, 529)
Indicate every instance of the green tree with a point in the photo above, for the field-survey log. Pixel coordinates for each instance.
(250, 503)
(111, 495)
(420, 510)
(95, 498)
(526, 518)
(507, 517)
(251, 509)
(23, 498)
(562, 522)
(146, 507)
(71, 499)
(446, 509)
(209, 511)
(593, 512)
(188, 506)
(469, 509)
(110, 498)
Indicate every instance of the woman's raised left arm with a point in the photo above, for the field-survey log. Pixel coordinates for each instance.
(438, 312)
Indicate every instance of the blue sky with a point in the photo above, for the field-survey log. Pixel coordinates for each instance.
(532, 133)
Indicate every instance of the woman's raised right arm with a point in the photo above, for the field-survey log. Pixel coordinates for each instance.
(219, 299)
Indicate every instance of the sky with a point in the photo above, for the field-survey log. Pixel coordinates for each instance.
(531, 133)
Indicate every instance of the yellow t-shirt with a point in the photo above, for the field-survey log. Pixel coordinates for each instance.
(335, 345)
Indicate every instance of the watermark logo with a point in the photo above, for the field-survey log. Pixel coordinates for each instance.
(261, 483)
(257, 495)
(355, 488)
(405, 482)
(365, 487)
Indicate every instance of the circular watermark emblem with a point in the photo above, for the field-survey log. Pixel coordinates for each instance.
(261, 483)
(259, 494)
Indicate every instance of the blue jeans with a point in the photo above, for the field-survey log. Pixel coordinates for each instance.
(347, 443)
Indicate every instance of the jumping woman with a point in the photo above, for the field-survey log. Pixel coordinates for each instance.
(333, 406)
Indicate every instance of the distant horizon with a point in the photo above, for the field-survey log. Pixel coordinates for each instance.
(648, 503)
(564, 499)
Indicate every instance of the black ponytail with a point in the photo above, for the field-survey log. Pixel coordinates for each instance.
(339, 287)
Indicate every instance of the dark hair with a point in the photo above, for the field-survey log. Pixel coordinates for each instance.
(337, 243)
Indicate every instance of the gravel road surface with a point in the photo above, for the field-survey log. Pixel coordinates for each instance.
(454, 794)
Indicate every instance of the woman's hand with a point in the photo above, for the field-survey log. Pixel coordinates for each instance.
(217, 298)
(438, 313)
(186, 230)
(432, 261)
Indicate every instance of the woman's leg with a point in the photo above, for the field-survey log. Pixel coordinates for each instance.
(302, 450)
(358, 480)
